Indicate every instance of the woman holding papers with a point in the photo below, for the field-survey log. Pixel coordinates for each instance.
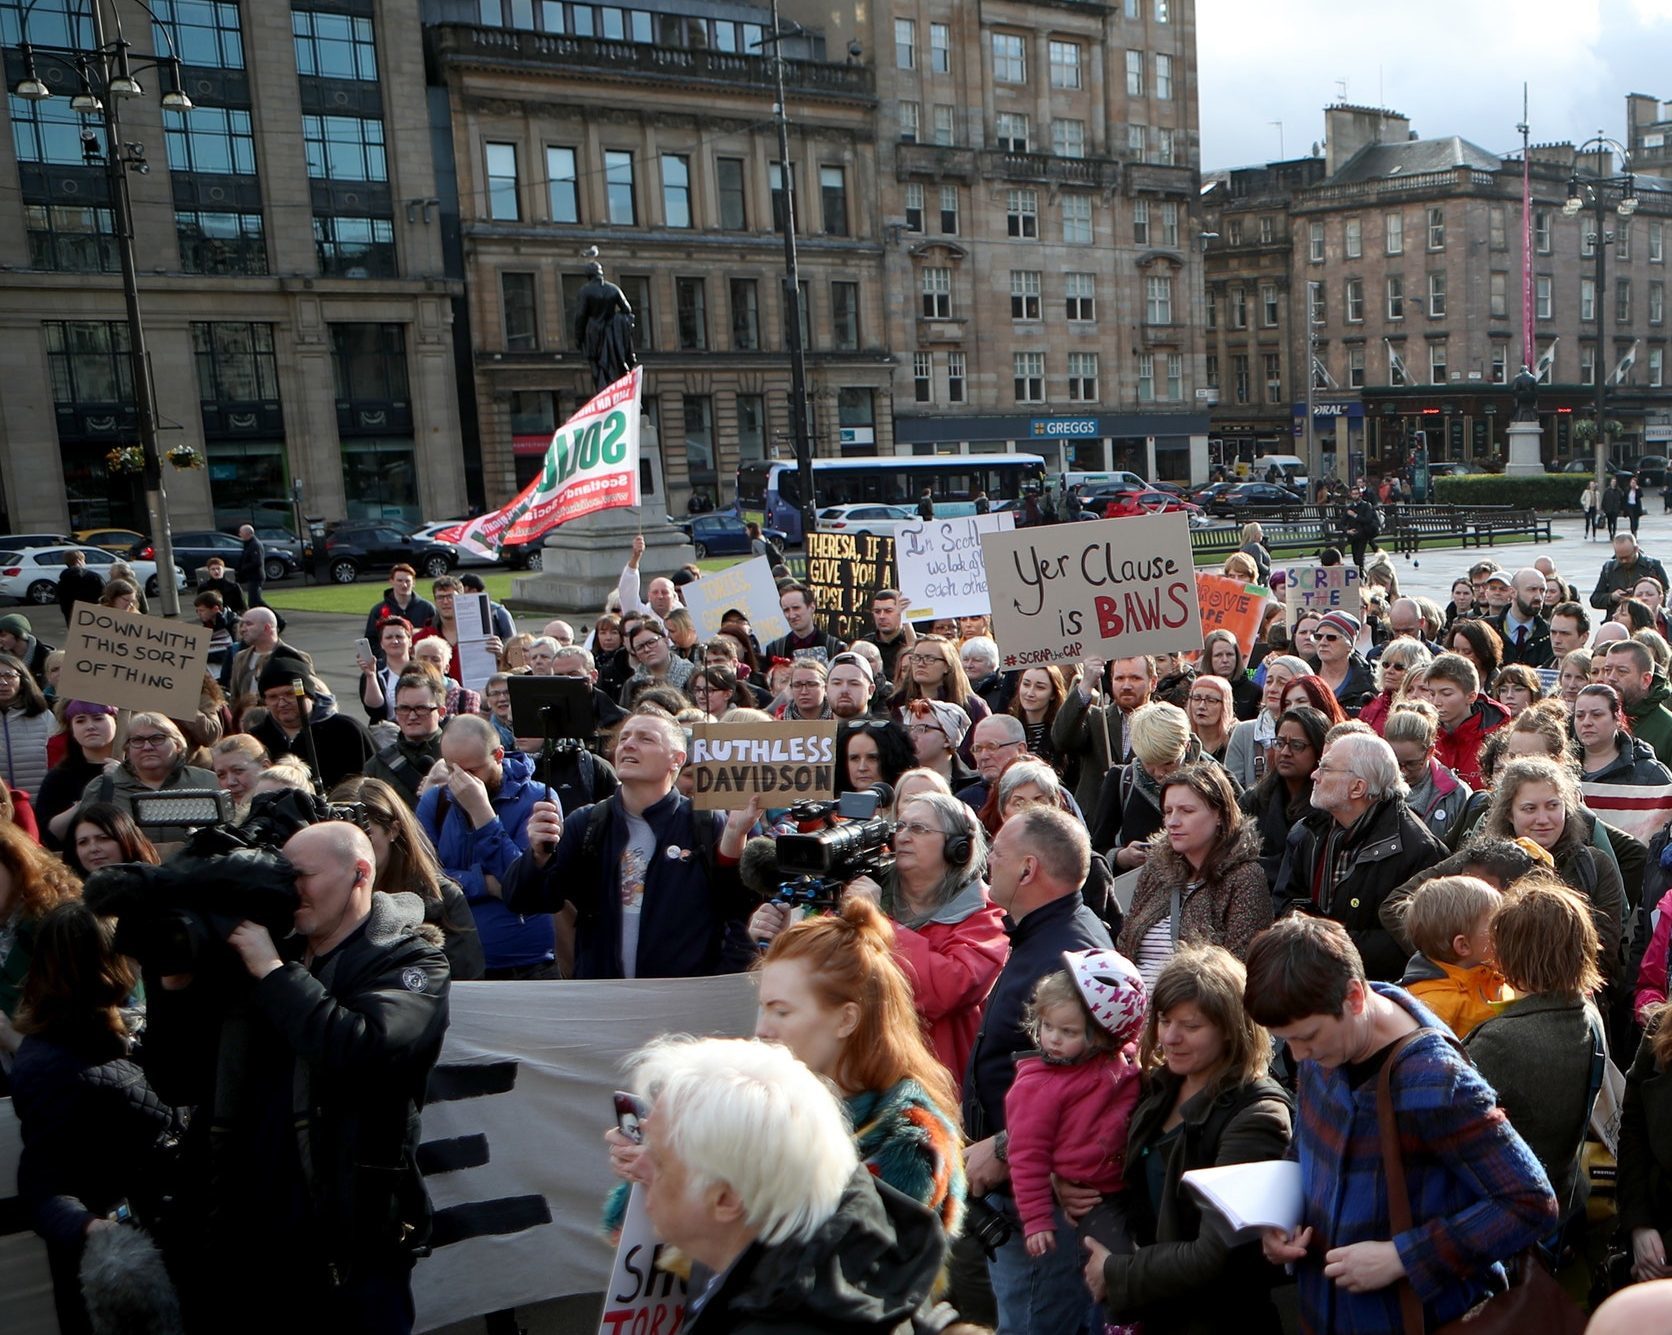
(1207, 1101)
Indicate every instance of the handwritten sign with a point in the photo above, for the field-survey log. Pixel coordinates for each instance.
(1110, 589)
(941, 568)
(1314, 588)
(845, 571)
(783, 762)
(641, 1297)
(1229, 604)
(133, 661)
(749, 587)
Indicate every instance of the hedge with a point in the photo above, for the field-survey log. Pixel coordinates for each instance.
(1545, 491)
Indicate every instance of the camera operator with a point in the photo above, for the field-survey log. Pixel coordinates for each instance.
(300, 1198)
(949, 937)
(653, 880)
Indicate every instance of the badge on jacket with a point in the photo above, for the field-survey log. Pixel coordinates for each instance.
(412, 979)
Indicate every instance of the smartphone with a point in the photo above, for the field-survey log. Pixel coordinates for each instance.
(630, 1110)
(363, 650)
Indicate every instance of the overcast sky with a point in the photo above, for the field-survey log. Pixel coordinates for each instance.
(1452, 66)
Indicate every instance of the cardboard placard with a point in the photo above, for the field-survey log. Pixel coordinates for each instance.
(941, 567)
(846, 571)
(133, 661)
(749, 587)
(784, 762)
(1229, 604)
(1315, 588)
(1110, 589)
(641, 1296)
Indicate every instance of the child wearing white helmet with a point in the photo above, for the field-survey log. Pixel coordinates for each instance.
(1068, 1108)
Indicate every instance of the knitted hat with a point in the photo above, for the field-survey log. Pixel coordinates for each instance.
(949, 718)
(77, 707)
(1345, 622)
(15, 623)
(281, 671)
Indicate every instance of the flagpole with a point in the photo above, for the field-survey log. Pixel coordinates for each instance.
(1529, 353)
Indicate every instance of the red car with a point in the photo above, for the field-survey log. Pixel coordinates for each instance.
(1148, 502)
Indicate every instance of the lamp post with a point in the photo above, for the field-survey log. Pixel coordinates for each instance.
(1598, 193)
(104, 76)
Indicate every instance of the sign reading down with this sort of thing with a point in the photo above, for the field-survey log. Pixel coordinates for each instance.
(133, 661)
(1106, 590)
(783, 762)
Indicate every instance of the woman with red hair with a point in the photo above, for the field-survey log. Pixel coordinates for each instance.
(1314, 692)
(32, 883)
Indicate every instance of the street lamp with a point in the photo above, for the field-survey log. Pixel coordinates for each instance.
(104, 77)
(1597, 193)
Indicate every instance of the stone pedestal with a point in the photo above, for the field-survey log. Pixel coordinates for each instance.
(582, 559)
(1526, 453)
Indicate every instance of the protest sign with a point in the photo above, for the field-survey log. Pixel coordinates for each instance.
(641, 1297)
(940, 565)
(783, 762)
(473, 615)
(591, 464)
(845, 571)
(747, 586)
(1109, 589)
(134, 661)
(1229, 604)
(1313, 588)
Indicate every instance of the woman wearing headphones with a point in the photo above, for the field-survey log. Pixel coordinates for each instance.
(949, 937)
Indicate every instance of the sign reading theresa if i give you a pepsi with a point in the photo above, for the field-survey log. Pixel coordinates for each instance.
(1106, 590)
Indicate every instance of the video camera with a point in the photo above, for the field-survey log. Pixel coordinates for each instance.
(853, 842)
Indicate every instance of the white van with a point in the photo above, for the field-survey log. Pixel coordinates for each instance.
(1292, 466)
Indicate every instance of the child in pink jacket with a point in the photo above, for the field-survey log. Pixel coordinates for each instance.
(1068, 1108)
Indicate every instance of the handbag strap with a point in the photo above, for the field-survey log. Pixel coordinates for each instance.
(1393, 1167)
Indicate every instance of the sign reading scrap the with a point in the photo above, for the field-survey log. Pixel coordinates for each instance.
(134, 661)
(782, 762)
(846, 571)
(1110, 589)
(1313, 588)
(941, 566)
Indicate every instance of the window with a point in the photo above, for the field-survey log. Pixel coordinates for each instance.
(1353, 237)
(502, 182)
(1175, 376)
(1076, 220)
(780, 202)
(1158, 299)
(1657, 361)
(1622, 301)
(218, 243)
(1010, 59)
(1542, 297)
(1587, 299)
(698, 411)
(1022, 213)
(691, 307)
(1437, 362)
(914, 206)
(1587, 364)
(909, 115)
(1393, 230)
(1500, 363)
(219, 141)
(1318, 303)
(954, 377)
(923, 377)
(1355, 301)
(1541, 231)
(751, 427)
(1239, 308)
(1497, 235)
(354, 247)
(844, 316)
(618, 187)
(1315, 242)
(676, 190)
(205, 33)
(1210, 307)
(745, 315)
(71, 239)
(1170, 225)
(1274, 377)
(519, 305)
(1024, 294)
(1140, 222)
(341, 148)
(1622, 242)
(1162, 8)
(1268, 305)
(945, 122)
(46, 131)
(833, 196)
(1134, 73)
(1210, 369)
(1163, 77)
(1657, 303)
(1146, 378)
(1028, 369)
(1436, 229)
(1657, 243)
(1011, 130)
(328, 46)
(1396, 298)
(1355, 368)
(804, 305)
(1137, 141)
(1082, 377)
(235, 361)
(937, 294)
(1068, 138)
(1498, 294)
(1436, 296)
(1065, 64)
(1165, 147)
(1080, 291)
(949, 210)
(728, 181)
(905, 44)
(1267, 232)
(1587, 241)
(563, 185)
(88, 361)
(1239, 378)
(1396, 365)
(940, 48)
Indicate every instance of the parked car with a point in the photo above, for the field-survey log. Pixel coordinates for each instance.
(1147, 502)
(31, 574)
(722, 534)
(1652, 469)
(271, 535)
(194, 546)
(18, 542)
(353, 548)
(1212, 492)
(1587, 467)
(1449, 468)
(1246, 496)
(1172, 489)
(119, 541)
(519, 556)
(883, 521)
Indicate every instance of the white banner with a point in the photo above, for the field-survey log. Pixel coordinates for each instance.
(1641, 810)
(749, 587)
(941, 568)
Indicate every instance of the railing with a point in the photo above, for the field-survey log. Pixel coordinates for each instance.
(1454, 178)
(1095, 172)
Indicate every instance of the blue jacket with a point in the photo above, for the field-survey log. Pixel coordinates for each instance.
(687, 913)
(509, 940)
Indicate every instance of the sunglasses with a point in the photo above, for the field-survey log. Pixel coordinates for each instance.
(1325, 635)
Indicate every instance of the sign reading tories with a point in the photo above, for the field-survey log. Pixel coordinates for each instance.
(1109, 589)
(845, 571)
(749, 587)
(1229, 604)
(134, 661)
(1319, 589)
(941, 567)
(782, 762)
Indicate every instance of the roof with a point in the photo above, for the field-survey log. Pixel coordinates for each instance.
(1375, 162)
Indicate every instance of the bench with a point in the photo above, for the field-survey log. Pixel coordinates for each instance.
(1467, 525)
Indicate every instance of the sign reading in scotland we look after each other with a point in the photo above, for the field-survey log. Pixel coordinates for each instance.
(940, 565)
(1110, 589)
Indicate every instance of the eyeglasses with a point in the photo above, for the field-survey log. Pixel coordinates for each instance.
(1292, 744)
(917, 829)
(150, 740)
(10, 676)
(987, 748)
(1207, 699)
(917, 728)
(870, 724)
(925, 658)
(646, 641)
(813, 685)
(414, 711)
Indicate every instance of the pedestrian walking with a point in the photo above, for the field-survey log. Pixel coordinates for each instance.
(1588, 503)
(1613, 501)
(252, 566)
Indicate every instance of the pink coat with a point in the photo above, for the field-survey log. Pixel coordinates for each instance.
(1071, 1121)
(952, 966)
(1651, 974)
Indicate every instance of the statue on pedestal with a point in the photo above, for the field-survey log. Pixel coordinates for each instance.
(604, 327)
(1525, 389)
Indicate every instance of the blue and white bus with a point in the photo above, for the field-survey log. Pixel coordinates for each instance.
(770, 492)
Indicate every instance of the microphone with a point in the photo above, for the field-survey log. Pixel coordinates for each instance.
(758, 866)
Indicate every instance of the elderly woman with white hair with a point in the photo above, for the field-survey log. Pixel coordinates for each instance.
(153, 759)
(1247, 753)
(1129, 805)
(1397, 661)
(980, 656)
